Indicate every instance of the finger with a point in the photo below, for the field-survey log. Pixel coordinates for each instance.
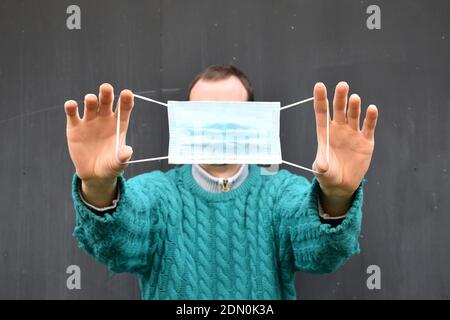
(125, 103)
(71, 108)
(370, 122)
(320, 110)
(340, 102)
(354, 111)
(90, 107)
(106, 97)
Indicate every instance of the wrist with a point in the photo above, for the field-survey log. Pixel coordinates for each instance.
(98, 184)
(337, 192)
(99, 193)
(335, 202)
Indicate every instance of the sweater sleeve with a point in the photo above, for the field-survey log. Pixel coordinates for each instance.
(128, 238)
(305, 243)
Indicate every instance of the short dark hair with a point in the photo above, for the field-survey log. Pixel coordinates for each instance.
(220, 72)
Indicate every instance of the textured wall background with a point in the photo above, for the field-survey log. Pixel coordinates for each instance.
(155, 48)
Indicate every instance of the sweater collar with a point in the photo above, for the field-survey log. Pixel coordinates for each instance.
(245, 187)
(214, 184)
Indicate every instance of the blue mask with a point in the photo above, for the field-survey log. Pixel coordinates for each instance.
(217, 132)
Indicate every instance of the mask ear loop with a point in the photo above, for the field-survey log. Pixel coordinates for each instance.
(328, 135)
(118, 132)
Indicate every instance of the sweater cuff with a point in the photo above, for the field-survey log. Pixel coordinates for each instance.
(325, 215)
(101, 210)
(86, 209)
(337, 224)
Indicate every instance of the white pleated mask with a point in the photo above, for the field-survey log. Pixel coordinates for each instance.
(218, 132)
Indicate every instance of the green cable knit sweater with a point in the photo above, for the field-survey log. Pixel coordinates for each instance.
(183, 242)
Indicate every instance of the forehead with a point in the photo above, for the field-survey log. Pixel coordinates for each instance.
(229, 89)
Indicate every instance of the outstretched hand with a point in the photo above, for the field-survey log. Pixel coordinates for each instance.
(92, 139)
(350, 146)
(92, 142)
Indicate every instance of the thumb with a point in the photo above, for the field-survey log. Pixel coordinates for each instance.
(124, 154)
(320, 164)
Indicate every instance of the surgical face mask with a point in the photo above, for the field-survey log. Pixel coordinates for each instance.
(218, 132)
(223, 132)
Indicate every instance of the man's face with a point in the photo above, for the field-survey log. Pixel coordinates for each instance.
(230, 89)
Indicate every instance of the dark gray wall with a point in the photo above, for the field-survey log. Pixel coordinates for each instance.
(156, 47)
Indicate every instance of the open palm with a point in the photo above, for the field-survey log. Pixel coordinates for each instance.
(350, 147)
(92, 139)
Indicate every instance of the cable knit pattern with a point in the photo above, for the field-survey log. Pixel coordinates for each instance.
(183, 242)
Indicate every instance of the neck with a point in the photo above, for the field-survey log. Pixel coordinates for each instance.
(221, 170)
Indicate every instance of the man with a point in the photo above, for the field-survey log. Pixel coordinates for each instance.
(218, 231)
